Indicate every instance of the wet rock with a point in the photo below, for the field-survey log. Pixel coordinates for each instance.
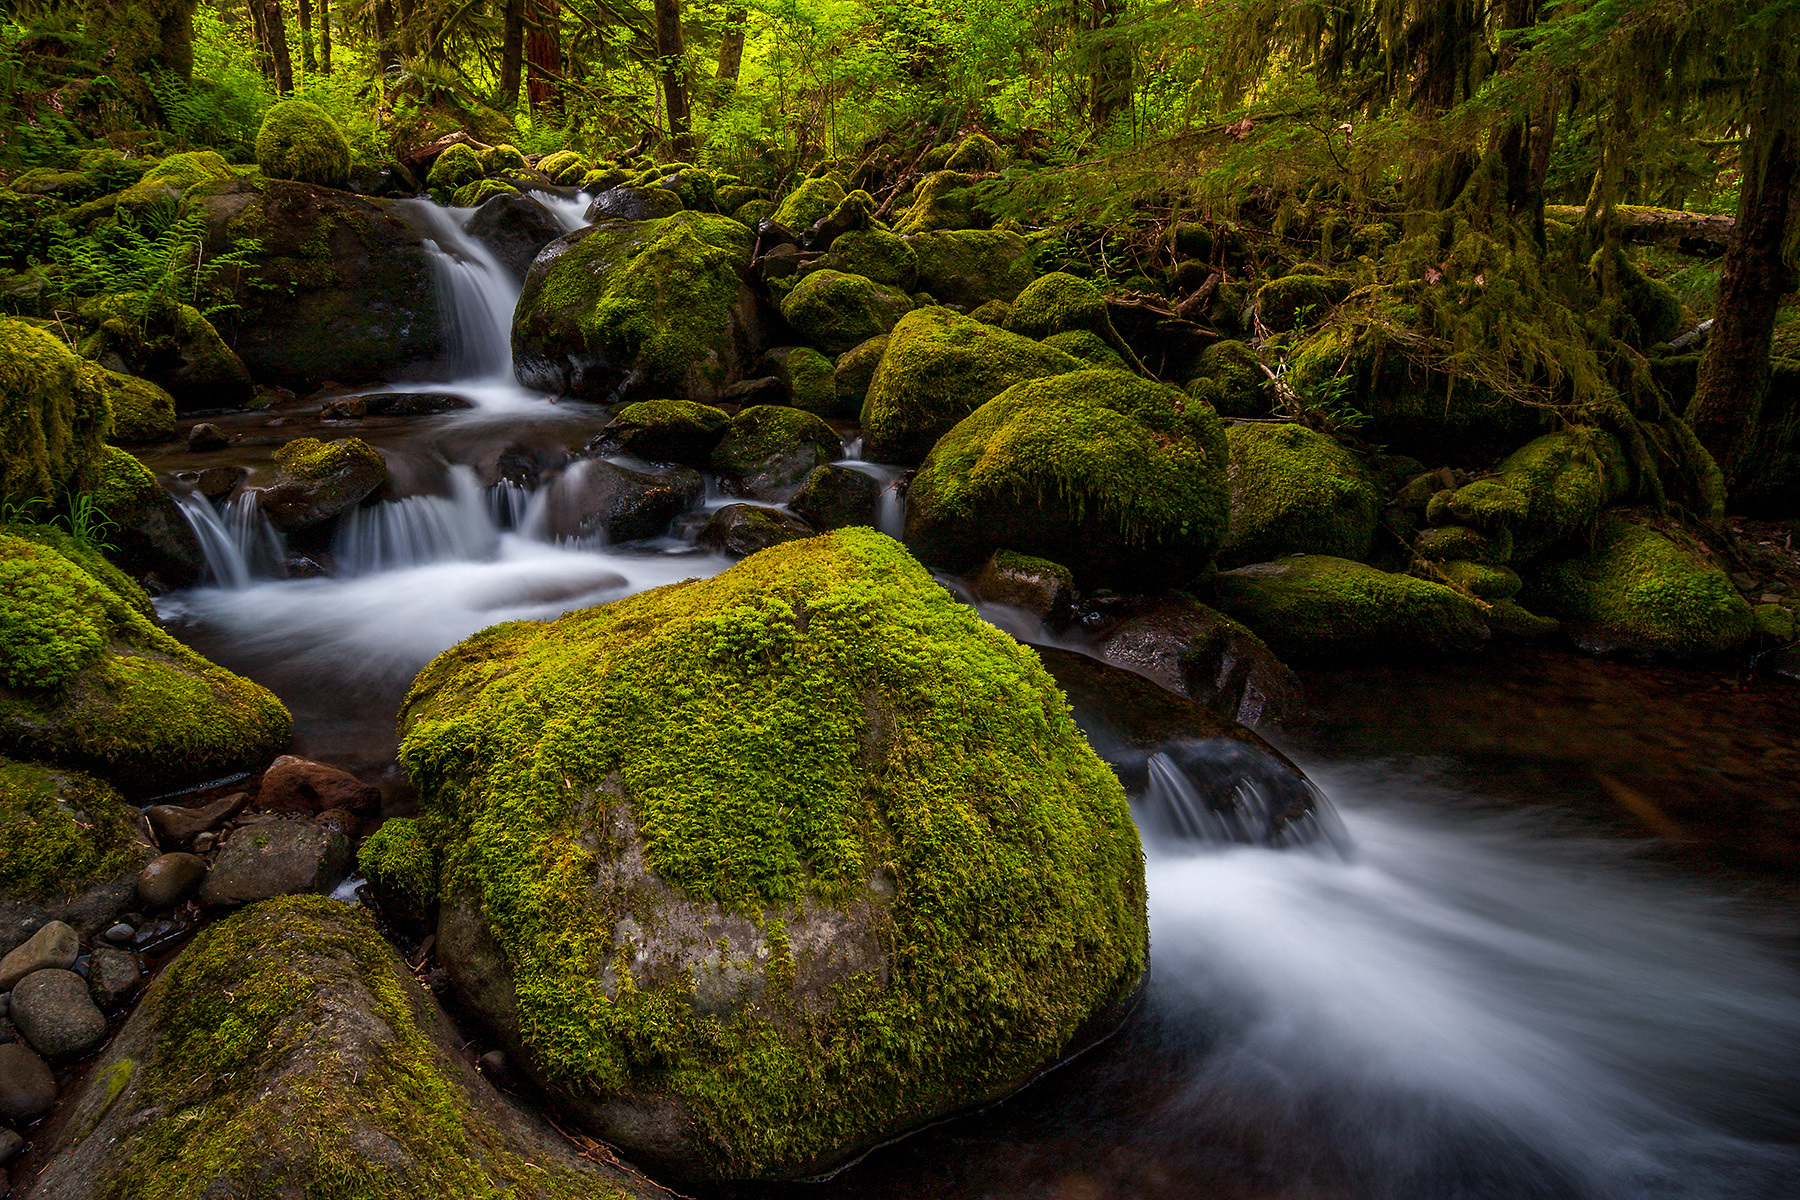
(299, 785)
(113, 975)
(345, 408)
(747, 393)
(596, 498)
(27, 1089)
(1037, 585)
(55, 946)
(176, 825)
(769, 450)
(340, 819)
(216, 483)
(318, 480)
(632, 204)
(833, 497)
(150, 537)
(10, 1145)
(413, 404)
(169, 879)
(278, 858)
(206, 436)
(743, 529)
(664, 431)
(515, 227)
(1206, 656)
(121, 932)
(1310, 605)
(55, 1015)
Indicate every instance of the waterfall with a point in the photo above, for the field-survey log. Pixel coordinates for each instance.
(417, 530)
(570, 211)
(238, 541)
(890, 506)
(1220, 792)
(224, 561)
(478, 296)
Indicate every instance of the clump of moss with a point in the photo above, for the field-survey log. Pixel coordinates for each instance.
(163, 185)
(299, 141)
(820, 727)
(1464, 543)
(1294, 300)
(972, 266)
(53, 416)
(310, 459)
(1653, 309)
(939, 367)
(1090, 348)
(669, 431)
(732, 196)
(496, 159)
(1062, 303)
(398, 860)
(814, 198)
(141, 411)
(838, 312)
(752, 212)
(1566, 480)
(765, 431)
(1114, 476)
(977, 154)
(1239, 385)
(474, 195)
(457, 165)
(566, 167)
(1296, 491)
(603, 178)
(879, 254)
(1639, 590)
(809, 379)
(941, 201)
(1314, 606)
(62, 831)
(1487, 504)
(1484, 582)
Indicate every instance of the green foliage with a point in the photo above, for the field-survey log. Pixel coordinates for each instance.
(1296, 491)
(156, 260)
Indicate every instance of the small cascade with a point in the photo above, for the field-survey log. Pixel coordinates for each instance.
(478, 296)
(570, 211)
(1218, 792)
(890, 506)
(224, 561)
(508, 503)
(239, 543)
(417, 530)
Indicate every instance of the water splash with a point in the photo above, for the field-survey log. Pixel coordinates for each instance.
(238, 542)
(417, 530)
(477, 295)
(225, 563)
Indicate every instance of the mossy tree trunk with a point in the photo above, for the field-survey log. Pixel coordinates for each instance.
(512, 53)
(141, 38)
(731, 46)
(1759, 267)
(1110, 65)
(275, 26)
(670, 65)
(325, 36)
(543, 53)
(306, 38)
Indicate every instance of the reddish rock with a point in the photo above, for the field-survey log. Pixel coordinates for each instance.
(299, 785)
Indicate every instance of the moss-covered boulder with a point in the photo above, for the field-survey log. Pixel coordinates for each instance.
(699, 843)
(769, 449)
(89, 680)
(1641, 591)
(631, 306)
(148, 535)
(400, 864)
(1464, 543)
(814, 198)
(970, 267)
(1562, 480)
(976, 154)
(1480, 580)
(164, 185)
(854, 371)
(1117, 478)
(1231, 379)
(879, 254)
(565, 167)
(169, 343)
(53, 416)
(1296, 491)
(504, 157)
(838, 312)
(1296, 300)
(141, 411)
(1315, 606)
(459, 164)
(288, 1052)
(299, 141)
(939, 367)
(1090, 348)
(808, 377)
(666, 431)
(941, 201)
(474, 195)
(316, 481)
(70, 850)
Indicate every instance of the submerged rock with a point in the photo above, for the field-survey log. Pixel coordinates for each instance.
(882, 808)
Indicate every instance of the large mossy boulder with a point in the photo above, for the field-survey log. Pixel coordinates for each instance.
(759, 871)
(288, 1052)
(458, 166)
(89, 680)
(164, 185)
(937, 368)
(341, 290)
(1562, 480)
(813, 199)
(171, 344)
(1060, 303)
(838, 312)
(630, 306)
(1296, 491)
(1316, 606)
(879, 254)
(970, 267)
(298, 140)
(53, 416)
(1117, 478)
(1643, 592)
(142, 412)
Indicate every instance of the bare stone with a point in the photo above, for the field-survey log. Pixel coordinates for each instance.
(55, 945)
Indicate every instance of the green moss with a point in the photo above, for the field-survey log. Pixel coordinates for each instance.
(496, 159)
(396, 858)
(456, 166)
(879, 254)
(837, 312)
(1566, 479)
(299, 141)
(762, 431)
(310, 459)
(473, 195)
(733, 196)
(994, 312)
(678, 431)
(603, 179)
(941, 201)
(1115, 476)
(565, 168)
(1241, 385)
(1481, 581)
(814, 198)
(818, 719)
(938, 368)
(1312, 606)
(141, 411)
(976, 154)
(53, 416)
(1462, 543)
(1295, 491)
(1640, 590)
(1654, 311)
(972, 266)
(1089, 347)
(1057, 303)
(163, 185)
(1774, 623)
(809, 379)
(855, 370)
(61, 832)
(1296, 300)
(1487, 504)
(751, 212)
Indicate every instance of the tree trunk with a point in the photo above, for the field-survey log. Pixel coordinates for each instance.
(512, 48)
(265, 58)
(1734, 375)
(384, 31)
(1109, 79)
(731, 46)
(306, 37)
(674, 82)
(543, 53)
(276, 26)
(325, 36)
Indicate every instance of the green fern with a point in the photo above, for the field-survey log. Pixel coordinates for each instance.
(160, 260)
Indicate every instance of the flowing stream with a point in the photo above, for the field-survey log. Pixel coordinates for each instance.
(1445, 997)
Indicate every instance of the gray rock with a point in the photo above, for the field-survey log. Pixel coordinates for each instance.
(27, 1089)
(278, 858)
(833, 497)
(176, 825)
(1040, 587)
(56, 945)
(515, 227)
(113, 975)
(55, 1014)
(1206, 656)
(169, 879)
(119, 933)
(10, 1145)
(595, 497)
(743, 529)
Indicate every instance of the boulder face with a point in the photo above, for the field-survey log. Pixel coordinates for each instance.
(1117, 478)
(1296, 491)
(883, 818)
(639, 307)
(342, 288)
(1314, 606)
(70, 850)
(53, 416)
(325, 1071)
(972, 266)
(515, 227)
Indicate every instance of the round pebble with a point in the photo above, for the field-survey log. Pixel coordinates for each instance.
(55, 1014)
(27, 1089)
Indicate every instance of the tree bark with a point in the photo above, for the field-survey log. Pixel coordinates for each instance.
(265, 58)
(275, 24)
(384, 30)
(674, 82)
(731, 46)
(512, 49)
(1109, 79)
(325, 36)
(1734, 375)
(543, 53)
(306, 37)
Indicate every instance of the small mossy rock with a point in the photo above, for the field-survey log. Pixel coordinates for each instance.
(53, 417)
(565, 168)
(316, 481)
(883, 813)
(645, 305)
(838, 312)
(1057, 303)
(600, 500)
(1481, 581)
(1486, 504)
(88, 680)
(164, 185)
(603, 178)
(1117, 478)
(170, 344)
(1295, 300)
(400, 864)
(1202, 654)
(625, 203)
(150, 537)
(976, 154)
(856, 211)
(1314, 606)
(1040, 587)
(458, 165)
(878, 254)
(325, 1070)
(496, 159)
(942, 201)
(808, 376)
(1774, 622)
(733, 196)
(1464, 543)
(1296, 491)
(855, 370)
(298, 140)
(740, 530)
(474, 195)
(1639, 591)
(667, 431)
(1241, 385)
(1567, 479)
(834, 497)
(969, 267)
(515, 227)
(939, 367)
(813, 199)
(994, 312)
(61, 834)
(141, 412)
(770, 449)
(1089, 347)
(1509, 621)
(752, 212)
